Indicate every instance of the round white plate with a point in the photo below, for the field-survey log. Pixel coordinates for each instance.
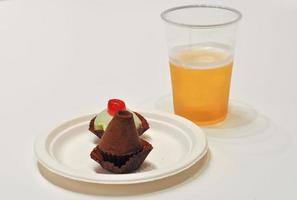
(177, 145)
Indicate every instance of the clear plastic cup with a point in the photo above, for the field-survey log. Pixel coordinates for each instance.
(201, 40)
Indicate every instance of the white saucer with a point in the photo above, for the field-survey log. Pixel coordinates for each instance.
(178, 144)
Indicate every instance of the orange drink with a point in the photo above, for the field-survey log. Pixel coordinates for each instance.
(200, 76)
(201, 42)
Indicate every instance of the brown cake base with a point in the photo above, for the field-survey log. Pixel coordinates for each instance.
(121, 163)
(144, 126)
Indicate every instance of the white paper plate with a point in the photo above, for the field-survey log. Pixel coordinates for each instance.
(178, 144)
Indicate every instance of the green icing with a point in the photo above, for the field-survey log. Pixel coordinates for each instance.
(103, 118)
(136, 120)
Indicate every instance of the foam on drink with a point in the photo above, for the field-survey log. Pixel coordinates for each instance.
(202, 55)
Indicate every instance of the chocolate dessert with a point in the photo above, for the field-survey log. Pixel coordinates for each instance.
(121, 150)
(100, 122)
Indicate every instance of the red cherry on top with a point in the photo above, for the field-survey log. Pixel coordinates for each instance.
(115, 105)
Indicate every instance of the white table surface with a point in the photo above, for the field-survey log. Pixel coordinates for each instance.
(64, 58)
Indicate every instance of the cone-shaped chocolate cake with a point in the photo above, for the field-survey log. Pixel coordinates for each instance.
(120, 149)
(120, 137)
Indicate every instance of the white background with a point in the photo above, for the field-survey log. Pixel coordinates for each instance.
(64, 58)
